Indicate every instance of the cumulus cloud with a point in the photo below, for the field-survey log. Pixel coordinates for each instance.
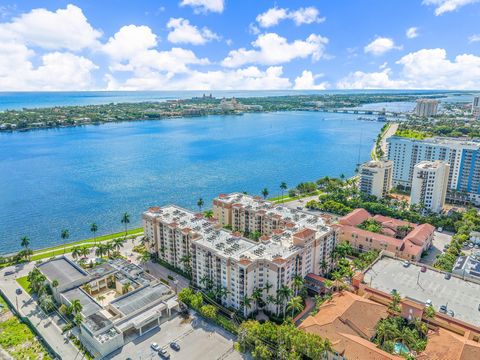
(182, 32)
(412, 32)
(272, 49)
(204, 6)
(380, 46)
(423, 69)
(249, 78)
(474, 38)
(275, 15)
(444, 6)
(63, 29)
(306, 81)
(130, 40)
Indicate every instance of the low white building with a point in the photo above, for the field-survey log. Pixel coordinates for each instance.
(467, 267)
(376, 178)
(429, 184)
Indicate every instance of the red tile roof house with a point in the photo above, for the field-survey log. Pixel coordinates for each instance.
(409, 247)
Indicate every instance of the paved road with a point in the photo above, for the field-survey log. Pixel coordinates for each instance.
(48, 326)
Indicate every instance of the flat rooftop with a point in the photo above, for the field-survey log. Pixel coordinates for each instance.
(463, 297)
(62, 270)
(88, 304)
(140, 299)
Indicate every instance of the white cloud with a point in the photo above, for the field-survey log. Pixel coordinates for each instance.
(204, 6)
(273, 49)
(423, 69)
(474, 38)
(412, 32)
(444, 6)
(380, 46)
(63, 29)
(57, 71)
(181, 32)
(306, 81)
(129, 41)
(274, 15)
(250, 78)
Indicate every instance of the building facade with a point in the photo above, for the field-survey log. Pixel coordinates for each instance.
(376, 178)
(429, 184)
(426, 107)
(290, 243)
(462, 155)
(476, 107)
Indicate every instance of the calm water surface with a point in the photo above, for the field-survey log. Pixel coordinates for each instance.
(71, 177)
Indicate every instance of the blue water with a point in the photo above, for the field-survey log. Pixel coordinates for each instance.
(71, 177)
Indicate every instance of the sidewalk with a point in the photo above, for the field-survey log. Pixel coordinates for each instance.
(48, 326)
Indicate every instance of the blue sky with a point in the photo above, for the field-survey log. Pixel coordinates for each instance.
(233, 44)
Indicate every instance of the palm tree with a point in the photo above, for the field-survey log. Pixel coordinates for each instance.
(108, 248)
(94, 229)
(144, 257)
(76, 306)
(87, 288)
(126, 287)
(265, 193)
(257, 296)
(76, 252)
(419, 325)
(337, 280)
(284, 294)
(46, 303)
(283, 187)
(65, 234)
(395, 301)
(117, 243)
(324, 266)
(208, 214)
(267, 287)
(429, 313)
(78, 320)
(200, 203)
(125, 221)
(101, 250)
(295, 304)
(297, 283)
(54, 283)
(185, 260)
(25, 243)
(101, 298)
(246, 303)
(85, 251)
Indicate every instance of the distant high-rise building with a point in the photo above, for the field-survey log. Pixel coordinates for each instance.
(429, 184)
(376, 178)
(426, 107)
(463, 157)
(476, 107)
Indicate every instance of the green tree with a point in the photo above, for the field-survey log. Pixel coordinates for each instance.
(200, 204)
(284, 294)
(209, 311)
(25, 242)
(295, 304)
(246, 303)
(265, 193)
(76, 252)
(94, 229)
(208, 214)
(76, 307)
(297, 283)
(283, 187)
(65, 234)
(125, 221)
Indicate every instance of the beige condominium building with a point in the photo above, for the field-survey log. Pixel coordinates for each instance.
(426, 107)
(429, 184)
(376, 178)
(290, 243)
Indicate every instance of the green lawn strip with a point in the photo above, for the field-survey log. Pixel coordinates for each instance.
(91, 240)
(286, 198)
(24, 283)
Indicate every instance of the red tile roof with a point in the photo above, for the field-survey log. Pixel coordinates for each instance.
(356, 217)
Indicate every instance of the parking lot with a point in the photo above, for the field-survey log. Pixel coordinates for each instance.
(197, 339)
(440, 239)
(461, 296)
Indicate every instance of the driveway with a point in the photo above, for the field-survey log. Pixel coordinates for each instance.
(197, 338)
(440, 239)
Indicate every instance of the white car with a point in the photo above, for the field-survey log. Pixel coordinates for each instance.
(428, 302)
(155, 346)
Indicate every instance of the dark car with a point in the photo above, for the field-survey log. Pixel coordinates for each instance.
(443, 309)
(175, 346)
(18, 291)
(164, 354)
(423, 269)
(448, 276)
(9, 272)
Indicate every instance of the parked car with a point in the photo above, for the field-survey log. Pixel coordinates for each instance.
(443, 309)
(451, 313)
(406, 263)
(155, 346)
(164, 354)
(299, 208)
(440, 229)
(9, 272)
(448, 276)
(470, 245)
(175, 346)
(423, 269)
(428, 302)
(18, 291)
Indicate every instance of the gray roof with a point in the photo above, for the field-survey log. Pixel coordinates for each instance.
(62, 270)
(140, 298)
(89, 305)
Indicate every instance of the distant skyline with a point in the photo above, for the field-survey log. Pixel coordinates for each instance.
(233, 44)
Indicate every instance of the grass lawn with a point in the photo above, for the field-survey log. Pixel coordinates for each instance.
(24, 283)
(18, 340)
(286, 198)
